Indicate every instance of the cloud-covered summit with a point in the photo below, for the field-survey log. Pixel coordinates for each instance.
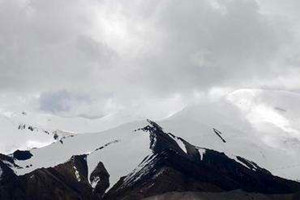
(101, 56)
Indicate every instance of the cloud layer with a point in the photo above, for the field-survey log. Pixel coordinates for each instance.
(100, 56)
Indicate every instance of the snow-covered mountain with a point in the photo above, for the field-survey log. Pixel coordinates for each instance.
(143, 162)
(255, 129)
(261, 125)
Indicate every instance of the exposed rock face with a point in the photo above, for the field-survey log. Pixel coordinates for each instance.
(65, 181)
(100, 180)
(10, 184)
(173, 166)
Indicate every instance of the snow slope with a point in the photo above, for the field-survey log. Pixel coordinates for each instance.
(14, 135)
(21, 130)
(121, 149)
(260, 125)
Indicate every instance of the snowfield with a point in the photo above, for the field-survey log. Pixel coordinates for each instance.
(22, 130)
(120, 149)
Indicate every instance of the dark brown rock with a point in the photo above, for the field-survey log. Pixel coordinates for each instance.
(100, 177)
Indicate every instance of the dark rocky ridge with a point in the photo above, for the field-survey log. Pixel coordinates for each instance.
(171, 169)
(59, 182)
(168, 169)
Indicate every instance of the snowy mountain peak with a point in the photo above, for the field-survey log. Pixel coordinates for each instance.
(125, 164)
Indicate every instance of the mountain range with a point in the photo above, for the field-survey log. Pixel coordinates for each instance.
(243, 146)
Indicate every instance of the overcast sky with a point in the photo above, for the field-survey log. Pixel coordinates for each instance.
(95, 57)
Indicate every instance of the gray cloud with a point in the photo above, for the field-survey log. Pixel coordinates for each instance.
(53, 102)
(60, 101)
(120, 54)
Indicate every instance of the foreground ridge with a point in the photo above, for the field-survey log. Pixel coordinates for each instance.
(172, 165)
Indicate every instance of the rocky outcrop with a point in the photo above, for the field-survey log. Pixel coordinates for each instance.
(65, 181)
(10, 184)
(99, 180)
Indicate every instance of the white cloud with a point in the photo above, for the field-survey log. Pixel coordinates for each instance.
(120, 54)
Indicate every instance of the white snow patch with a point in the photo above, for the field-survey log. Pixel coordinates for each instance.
(180, 144)
(154, 142)
(237, 160)
(37, 144)
(77, 174)
(201, 152)
(95, 181)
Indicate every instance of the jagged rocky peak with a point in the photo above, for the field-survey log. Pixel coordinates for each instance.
(160, 141)
(99, 180)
